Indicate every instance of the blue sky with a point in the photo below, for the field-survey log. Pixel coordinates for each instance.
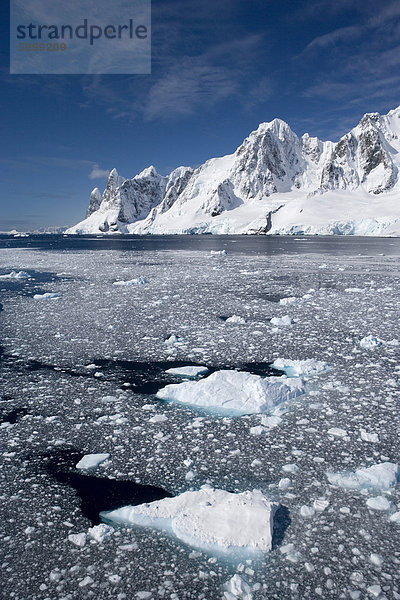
(219, 68)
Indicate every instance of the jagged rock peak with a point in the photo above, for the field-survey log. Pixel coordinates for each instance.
(148, 172)
(94, 202)
(248, 190)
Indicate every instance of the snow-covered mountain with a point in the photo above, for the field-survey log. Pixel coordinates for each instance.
(275, 182)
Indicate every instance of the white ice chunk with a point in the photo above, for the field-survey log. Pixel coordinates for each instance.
(174, 339)
(234, 391)
(236, 319)
(320, 504)
(47, 296)
(16, 275)
(379, 503)
(137, 281)
(284, 483)
(99, 533)
(289, 300)
(298, 368)
(207, 518)
(290, 553)
(381, 476)
(188, 372)
(337, 432)
(369, 437)
(91, 461)
(395, 517)
(258, 430)
(85, 581)
(161, 418)
(284, 321)
(79, 539)
(376, 559)
(271, 422)
(237, 589)
(370, 342)
(307, 511)
(374, 590)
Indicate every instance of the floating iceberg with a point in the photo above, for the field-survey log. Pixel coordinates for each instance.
(285, 321)
(298, 368)
(16, 275)
(207, 518)
(137, 281)
(187, 372)
(236, 319)
(379, 503)
(100, 533)
(234, 392)
(288, 300)
(381, 476)
(370, 342)
(91, 461)
(47, 296)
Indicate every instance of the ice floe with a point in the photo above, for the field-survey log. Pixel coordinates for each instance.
(381, 476)
(208, 518)
(236, 319)
(79, 539)
(289, 300)
(379, 503)
(158, 419)
(47, 296)
(91, 461)
(187, 372)
(370, 342)
(337, 432)
(175, 340)
(369, 437)
(15, 275)
(284, 321)
(99, 533)
(137, 281)
(237, 589)
(299, 368)
(234, 392)
(395, 517)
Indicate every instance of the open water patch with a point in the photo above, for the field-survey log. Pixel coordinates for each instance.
(13, 415)
(148, 377)
(98, 493)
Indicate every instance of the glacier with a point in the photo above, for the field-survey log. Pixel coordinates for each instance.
(274, 183)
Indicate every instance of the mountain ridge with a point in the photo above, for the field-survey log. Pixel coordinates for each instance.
(274, 182)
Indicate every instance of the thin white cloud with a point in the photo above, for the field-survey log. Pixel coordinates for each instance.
(343, 34)
(190, 82)
(97, 173)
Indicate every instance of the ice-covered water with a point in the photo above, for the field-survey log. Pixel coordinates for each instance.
(79, 375)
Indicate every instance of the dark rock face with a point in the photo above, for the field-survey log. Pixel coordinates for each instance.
(356, 156)
(94, 202)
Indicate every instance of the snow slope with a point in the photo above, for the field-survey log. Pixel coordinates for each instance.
(275, 183)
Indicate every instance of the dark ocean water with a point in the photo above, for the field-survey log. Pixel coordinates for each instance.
(271, 245)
